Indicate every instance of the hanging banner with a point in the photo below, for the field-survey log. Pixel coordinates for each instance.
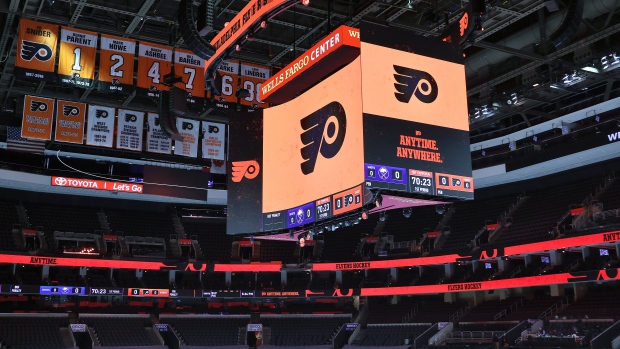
(78, 51)
(36, 50)
(213, 138)
(100, 126)
(156, 140)
(189, 130)
(116, 57)
(191, 69)
(70, 118)
(154, 61)
(37, 118)
(252, 78)
(226, 81)
(130, 129)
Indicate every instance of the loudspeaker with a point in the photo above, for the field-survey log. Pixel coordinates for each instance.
(478, 6)
(167, 119)
(189, 32)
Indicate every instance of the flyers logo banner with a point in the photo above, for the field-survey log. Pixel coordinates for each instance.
(189, 130)
(226, 80)
(100, 130)
(37, 118)
(78, 51)
(213, 138)
(252, 78)
(324, 132)
(70, 118)
(36, 50)
(414, 82)
(154, 62)
(130, 129)
(191, 69)
(248, 169)
(156, 140)
(116, 60)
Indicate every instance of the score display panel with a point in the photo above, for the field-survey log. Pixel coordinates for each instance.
(416, 129)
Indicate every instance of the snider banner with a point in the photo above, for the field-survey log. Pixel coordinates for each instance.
(191, 69)
(36, 50)
(78, 51)
(100, 131)
(116, 60)
(38, 117)
(189, 130)
(214, 136)
(156, 140)
(252, 78)
(130, 130)
(70, 118)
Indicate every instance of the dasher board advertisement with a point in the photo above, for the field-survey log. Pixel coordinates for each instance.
(36, 50)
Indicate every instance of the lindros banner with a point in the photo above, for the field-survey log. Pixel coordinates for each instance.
(130, 130)
(116, 58)
(36, 50)
(78, 51)
(252, 78)
(70, 122)
(191, 69)
(100, 126)
(189, 130)
(156, 140)
(37, 118)
(154, 61)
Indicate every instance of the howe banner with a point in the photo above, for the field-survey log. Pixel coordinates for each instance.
(100, 126)
(156, 140)
(130, 129)
(189, 130)
(116, 58)
(213, 138)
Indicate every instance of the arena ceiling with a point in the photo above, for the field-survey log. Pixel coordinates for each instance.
(516, 67)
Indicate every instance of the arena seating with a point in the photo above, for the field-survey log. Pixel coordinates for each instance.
(274, 250)
(433, 310)
(141, 223)
(116, 331)
(489, 310)
(222, 330)
(8, 217)
(599, 303)
(53, 218)
(411, 229)
(215, 244)
(383, 312)
(301, 330)
(18, 332)
(341, 244)
(392, 335)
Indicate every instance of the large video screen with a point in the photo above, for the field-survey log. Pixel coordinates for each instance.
(416, 128)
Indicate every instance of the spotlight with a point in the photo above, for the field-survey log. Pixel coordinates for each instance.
(238, 48)
(364, 214)
(379, 200)
(410, 4)
(249, 37)
(407, 212)
(334, 227)
(263, 24)
(440, 209)
(305, 2)
(382, 216)
(347, 223)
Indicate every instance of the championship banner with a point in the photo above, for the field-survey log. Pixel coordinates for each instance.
(213, 138)
(38, 117)
(130, 129)
(36, 50)
(116, 57)
(156, 140)
(252, 78)
(100, 126)
(70, 122)
(191, 69)
(189, 130)
(78, 51)
(226, 82)
(154, 61)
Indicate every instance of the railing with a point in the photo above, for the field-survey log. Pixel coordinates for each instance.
(598, 216)
(457, 314)
(559, 305)
(472, 336)
(410, 314)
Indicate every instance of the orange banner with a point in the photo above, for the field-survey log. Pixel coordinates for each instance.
(252, 78)
(70, 122)
(116, 58)
(78, 51)
(227, 82)
(154, 61)
(36, 49)
(37, 118)
(191, 69)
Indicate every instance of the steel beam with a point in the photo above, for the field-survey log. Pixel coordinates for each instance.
(77, 11)
(10, 17)
(138, 17)
(298, 41)
(513, 51)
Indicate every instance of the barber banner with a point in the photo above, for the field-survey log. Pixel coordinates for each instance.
(78, 51)
(213, 138)
(100, 130)
(156, 140)
(70, 118)
(191, 69)
(36, 50)
(130, 129)
(189, 130)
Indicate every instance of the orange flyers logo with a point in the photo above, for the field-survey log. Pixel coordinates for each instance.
(248, 169)
(463, 23)
(324, 132)
(414, 82)
(38, 50)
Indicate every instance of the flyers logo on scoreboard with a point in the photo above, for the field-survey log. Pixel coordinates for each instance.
(324, 132)
(191, 69)
(116, 60)
(37, 118)
(36, 49)
(78, 50)
(154, 61)
(411, 82)
(244, 169)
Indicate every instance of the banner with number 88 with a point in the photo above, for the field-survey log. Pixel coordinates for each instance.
(252, 78)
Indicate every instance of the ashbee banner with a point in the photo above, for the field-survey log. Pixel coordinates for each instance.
(189, 130)
(156, 140)
(130, 129)
(100, 128)
(213, 138)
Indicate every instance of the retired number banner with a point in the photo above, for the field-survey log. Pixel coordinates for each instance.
(252, 77)
(213, 137)
(189, 130)
(191, 69)
(78, 51)
(100, 126)
(70, 118)
(130, 129)
(38, 117)
(226, 81)
(156, 140)
(36, 50)
(154, 61)
(116, 58)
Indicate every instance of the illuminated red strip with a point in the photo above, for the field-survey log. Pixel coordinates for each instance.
(394, 263)
(577, 241)
(81, 262)
(253, 267)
